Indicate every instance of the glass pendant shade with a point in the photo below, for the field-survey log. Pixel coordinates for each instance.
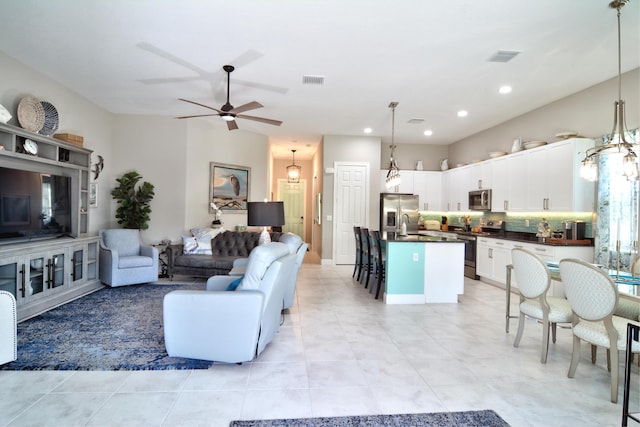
(616, 141)
(393, 176)
(293, 170)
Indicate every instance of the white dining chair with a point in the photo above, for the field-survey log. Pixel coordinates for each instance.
(594, 298)
(534, 280)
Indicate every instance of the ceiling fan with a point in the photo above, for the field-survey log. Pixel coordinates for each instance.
(228, 112)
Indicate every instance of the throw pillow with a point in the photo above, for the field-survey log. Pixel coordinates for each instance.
(196, 246)
(233, 285)
(199, 232)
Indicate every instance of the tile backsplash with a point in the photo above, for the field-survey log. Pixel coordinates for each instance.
(517, 221)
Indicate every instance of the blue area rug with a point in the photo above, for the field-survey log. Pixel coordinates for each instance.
(486, 418)
(111, 329)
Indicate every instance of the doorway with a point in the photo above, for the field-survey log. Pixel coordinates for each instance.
(294, 196)
(351, 207)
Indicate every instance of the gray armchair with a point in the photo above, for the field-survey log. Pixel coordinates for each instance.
(125, 260)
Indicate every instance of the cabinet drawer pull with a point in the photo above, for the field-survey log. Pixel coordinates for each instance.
(518, 246)
(500, 243)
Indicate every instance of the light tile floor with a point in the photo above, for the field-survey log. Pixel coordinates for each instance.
(340, 352)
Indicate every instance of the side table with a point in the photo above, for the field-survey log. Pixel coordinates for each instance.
(163, 261)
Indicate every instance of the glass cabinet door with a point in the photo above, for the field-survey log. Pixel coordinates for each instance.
(9, 276)
(77, 260)
(57, 270)
(37, 276)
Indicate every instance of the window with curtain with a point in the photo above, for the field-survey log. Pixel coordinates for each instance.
(617, 211)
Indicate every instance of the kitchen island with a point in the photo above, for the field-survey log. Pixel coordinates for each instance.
(423, 269)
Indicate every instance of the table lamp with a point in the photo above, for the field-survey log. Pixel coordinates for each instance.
(265, 214)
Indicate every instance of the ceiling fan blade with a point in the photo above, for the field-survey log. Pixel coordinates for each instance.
(260, 119)
(246, 107)
(232, 125)
(201, 105)
(161, 80)
(262, 86)
(197, 115)
(170, 57)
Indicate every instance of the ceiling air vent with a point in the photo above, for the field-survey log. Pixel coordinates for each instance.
(416, 121)
(312, 80)
(503, 56)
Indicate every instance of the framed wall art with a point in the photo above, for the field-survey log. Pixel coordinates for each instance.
(228, 187)
(93, 195)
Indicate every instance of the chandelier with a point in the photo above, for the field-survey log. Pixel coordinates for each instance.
(393, 176)
(293, 170)
(616, 141)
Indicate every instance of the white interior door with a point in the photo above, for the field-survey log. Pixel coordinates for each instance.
(294, 198)
(351, 207)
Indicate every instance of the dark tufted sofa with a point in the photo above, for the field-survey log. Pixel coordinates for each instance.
(225, 248)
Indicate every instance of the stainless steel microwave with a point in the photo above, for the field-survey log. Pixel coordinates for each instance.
(480, 200)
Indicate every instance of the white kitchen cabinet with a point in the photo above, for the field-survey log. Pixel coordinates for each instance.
(566, 190)
(406, 182)
(492, 258)
(480, 176)
(546, 178)
(459, 179)
(428, 186)
(509, 183)
(446, 191)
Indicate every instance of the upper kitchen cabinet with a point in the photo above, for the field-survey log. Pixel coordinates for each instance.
(546, 178)
(428, 186)
(480, 175)
(456, 196)
(406, 183)
(553, 178)
(508, 183)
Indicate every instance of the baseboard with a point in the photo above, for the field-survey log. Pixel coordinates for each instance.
(404, 298)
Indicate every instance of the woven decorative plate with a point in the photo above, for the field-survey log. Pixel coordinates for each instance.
(31, 114)
(50, 119)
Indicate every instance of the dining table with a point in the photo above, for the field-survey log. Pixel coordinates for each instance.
(628, 287)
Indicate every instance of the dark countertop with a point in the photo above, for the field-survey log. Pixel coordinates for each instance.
(423, 239)
(520, 236)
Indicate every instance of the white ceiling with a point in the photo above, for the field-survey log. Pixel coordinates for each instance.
(139, 57)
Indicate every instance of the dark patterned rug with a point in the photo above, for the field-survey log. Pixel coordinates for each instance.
(486, 418)
(109, 330)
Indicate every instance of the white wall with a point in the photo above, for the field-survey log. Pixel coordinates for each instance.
(348, 149)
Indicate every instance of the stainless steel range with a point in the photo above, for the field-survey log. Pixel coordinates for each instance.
(470, 244)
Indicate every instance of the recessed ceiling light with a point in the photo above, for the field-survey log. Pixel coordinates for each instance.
(463, 113)
(505, 89)
(368, 130)
(428, 132)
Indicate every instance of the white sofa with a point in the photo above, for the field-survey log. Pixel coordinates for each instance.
(8, 328)
(230, 326)
(297, 247)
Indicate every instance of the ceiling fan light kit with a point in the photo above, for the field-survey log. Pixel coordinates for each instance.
(228, 112)
(616, 141)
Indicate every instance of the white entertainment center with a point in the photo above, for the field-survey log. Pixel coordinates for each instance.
(51, 263)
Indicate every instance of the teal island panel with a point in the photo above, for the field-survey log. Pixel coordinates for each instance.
(405, 268)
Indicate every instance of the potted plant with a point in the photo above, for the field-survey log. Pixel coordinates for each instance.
(133, 202)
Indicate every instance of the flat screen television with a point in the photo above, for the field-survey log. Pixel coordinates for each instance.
(33, 205)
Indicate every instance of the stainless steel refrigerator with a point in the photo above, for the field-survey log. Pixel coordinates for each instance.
(396, 208)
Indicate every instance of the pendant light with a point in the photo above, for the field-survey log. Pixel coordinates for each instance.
(293, 170)
(393, 176)
(616, 141)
